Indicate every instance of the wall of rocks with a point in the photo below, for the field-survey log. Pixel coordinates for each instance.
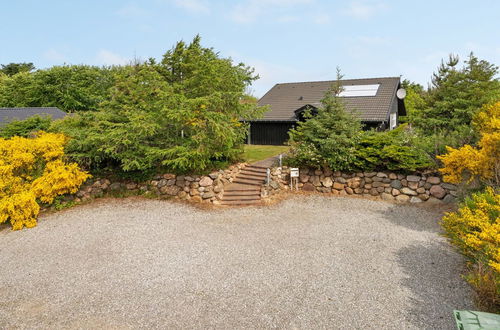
(195, 188)
(416, 188)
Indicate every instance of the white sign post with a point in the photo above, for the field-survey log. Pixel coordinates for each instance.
(294, 178)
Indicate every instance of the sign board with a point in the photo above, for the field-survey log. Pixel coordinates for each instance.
(294, 172)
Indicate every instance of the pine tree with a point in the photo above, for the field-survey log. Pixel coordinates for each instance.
(329, 138)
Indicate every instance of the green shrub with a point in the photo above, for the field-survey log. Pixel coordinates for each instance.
(25, 127)
(391, 150)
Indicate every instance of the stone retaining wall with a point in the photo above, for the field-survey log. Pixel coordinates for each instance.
(389, 186)
(195, 188)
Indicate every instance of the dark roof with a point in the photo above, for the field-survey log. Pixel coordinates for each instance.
(10, 114)
(285, 99)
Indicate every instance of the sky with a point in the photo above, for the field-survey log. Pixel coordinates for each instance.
(284, 40)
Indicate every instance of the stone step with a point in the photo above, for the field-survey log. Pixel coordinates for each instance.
(247, 182)
(250, 177)
(241, 198)
(241, 203)
(240, 187)
(242, 193)
(256, 169)
(252, 173)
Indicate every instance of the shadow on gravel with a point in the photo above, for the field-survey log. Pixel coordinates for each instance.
(432, 274)
(414, 218)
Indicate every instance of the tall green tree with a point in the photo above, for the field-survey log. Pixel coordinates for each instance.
(454, 98)
(71, 87)
(196, 71)
(161, 118)
(457, 94)
(329, 138)
(15, 68)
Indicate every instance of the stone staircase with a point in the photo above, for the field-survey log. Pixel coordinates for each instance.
(246, 186)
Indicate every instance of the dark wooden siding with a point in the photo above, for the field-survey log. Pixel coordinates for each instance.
(272, 133)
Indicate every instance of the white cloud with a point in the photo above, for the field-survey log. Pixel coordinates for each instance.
(364, 10)
(322, 19)
(132, 11)
(54, 56)
(106, 57)
(193, 6)
(251, 10)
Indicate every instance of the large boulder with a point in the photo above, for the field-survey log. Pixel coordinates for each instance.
(449, 186)
(338, 186)
(413, 178)
(437, 191)
(206, 181)
(434, 180)
(327, 181)
(303, 177)
(208, 194)
(316, 181)
(308, 187)
(408, 191)
(415, 199)
(396, 184)
(170, 190)
(387, 197)
(403, 198)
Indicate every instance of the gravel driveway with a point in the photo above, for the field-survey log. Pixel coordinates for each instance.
(308, 262)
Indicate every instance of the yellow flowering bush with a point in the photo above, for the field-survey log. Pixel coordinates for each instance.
(475, 229)
(482, 162)
(33, 170)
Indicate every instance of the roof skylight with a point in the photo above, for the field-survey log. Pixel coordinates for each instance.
(359, 90)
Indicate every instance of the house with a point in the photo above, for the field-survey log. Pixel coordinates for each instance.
(8, 115)
(377, 101)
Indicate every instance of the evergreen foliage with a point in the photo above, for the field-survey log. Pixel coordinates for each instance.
(182, 115)
(455, 96)
(25, 127)
(14, 68)
(393, 150)
(70, 88)
(329, 139)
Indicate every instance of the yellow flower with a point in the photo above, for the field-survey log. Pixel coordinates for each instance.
(22, 184)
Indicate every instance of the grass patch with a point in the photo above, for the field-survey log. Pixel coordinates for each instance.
(254, 153)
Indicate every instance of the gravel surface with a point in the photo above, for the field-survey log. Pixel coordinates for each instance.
(308, 262)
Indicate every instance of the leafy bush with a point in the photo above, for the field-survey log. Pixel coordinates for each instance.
(25, 127)
(33, 170)
(393, 150)
(475, 230)
(482, 162)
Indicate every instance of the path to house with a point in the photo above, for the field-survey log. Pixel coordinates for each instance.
(309, 262)
(246, 186)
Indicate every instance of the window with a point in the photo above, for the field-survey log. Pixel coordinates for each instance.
(359, 90)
